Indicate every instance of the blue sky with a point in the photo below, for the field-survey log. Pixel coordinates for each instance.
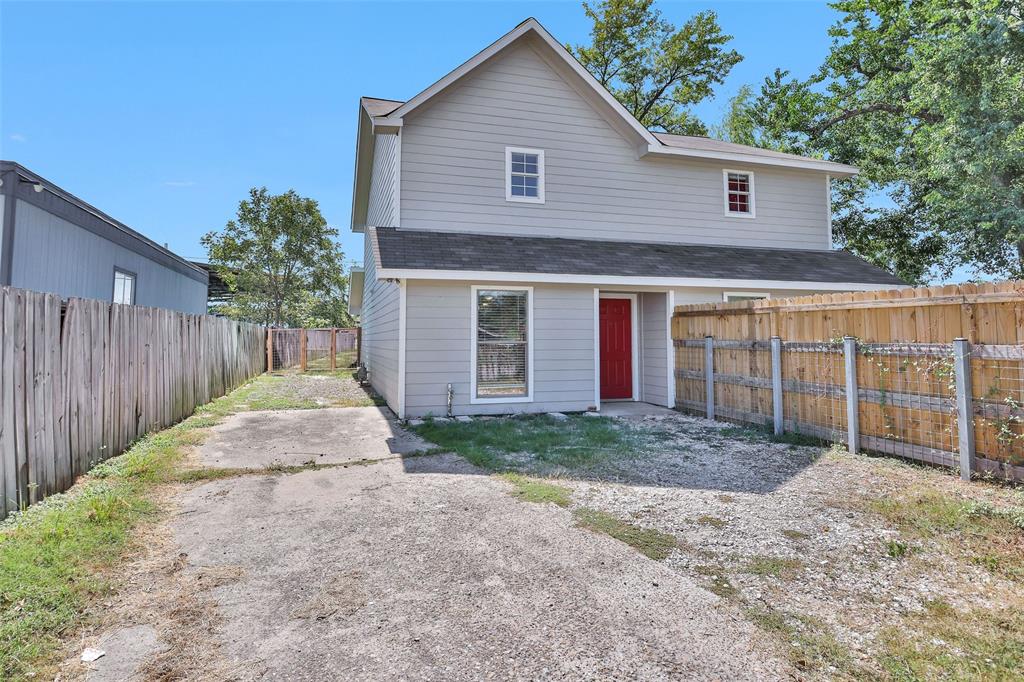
(164, 114)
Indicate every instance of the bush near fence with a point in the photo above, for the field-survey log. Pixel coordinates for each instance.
(80, 382)
(904, 366)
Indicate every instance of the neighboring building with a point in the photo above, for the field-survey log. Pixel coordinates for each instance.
(527, 239)
(53, 241)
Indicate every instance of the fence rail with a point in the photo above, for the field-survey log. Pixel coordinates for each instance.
(313, 349)
(80, 382)
(907, 384)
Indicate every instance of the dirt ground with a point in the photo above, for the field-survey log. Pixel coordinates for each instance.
(394, 562)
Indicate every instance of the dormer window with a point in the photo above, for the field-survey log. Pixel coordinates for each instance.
(739, 193)
(524, 175)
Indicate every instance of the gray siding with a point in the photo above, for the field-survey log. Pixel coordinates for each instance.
(383, 204)
(438, 348)
(53, 255)
(379, 320)
(453, 165)
(653, 349)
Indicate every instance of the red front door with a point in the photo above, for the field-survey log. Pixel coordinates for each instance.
(616, 348)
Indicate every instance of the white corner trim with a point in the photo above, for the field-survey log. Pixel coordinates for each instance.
(528, 398)
(828, 209)
(616, 280)
(757, 294)
(725, 193)
(539, 199)
(401, 348)
(634, 323)
(397, 218)
(597, 349)
(670, 309)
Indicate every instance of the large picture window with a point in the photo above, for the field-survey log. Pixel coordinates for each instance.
(502, 344)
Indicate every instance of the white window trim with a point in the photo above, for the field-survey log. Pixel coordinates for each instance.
(528, 398)
(635, 360)
(539, 199)
(128, 274)
(759, 294)
(725, 194)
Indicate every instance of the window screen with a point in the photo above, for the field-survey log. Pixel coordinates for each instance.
(501, 343)
(738, 192)
(124, 287)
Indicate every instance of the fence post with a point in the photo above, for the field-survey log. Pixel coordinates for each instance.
(334, 349)
(270, 349)
(964, 406)
(709, 375)
(359, 345)
(852, 419)
(777, 384)
(302, 349)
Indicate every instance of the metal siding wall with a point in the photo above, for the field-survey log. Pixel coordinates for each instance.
(438, 348)
(54, 255)
(453, 165)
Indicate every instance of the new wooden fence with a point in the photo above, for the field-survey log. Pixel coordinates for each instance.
(938, 372)
(80, 382)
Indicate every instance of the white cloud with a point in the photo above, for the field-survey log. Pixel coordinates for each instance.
(18, 137)
(179, 183)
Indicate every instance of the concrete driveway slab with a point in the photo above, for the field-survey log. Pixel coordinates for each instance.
(429, 570)
(293, 437)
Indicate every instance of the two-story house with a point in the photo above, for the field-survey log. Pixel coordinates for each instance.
(527, 239)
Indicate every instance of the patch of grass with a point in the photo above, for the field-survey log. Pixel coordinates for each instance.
(795, 534)
(806, 642)
(537, 492)
(975, 532)
(774, 567)
(713, 521)
(946, 643)
(652, 543)
(720, 583)
(897, 549)
(576, 442)
(270, 392)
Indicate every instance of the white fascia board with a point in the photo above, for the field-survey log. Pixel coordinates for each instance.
(838, 170)
(674, 282)
(386, 124)
(531, 25)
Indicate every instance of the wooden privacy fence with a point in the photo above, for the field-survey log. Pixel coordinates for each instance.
(933, 374)
(78, 385)
(313, 349)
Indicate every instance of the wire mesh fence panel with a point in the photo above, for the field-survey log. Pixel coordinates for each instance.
(310, 349)
(908, 401)
(690, 387)
(286, 348)
(743, 381)
(998, 405)
(814, 390)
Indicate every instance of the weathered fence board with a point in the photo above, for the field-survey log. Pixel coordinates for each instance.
(80, 387)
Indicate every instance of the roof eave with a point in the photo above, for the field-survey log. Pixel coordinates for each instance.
(669, 282)
(838, 170)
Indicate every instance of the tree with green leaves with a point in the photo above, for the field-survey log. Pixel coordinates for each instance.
(926, 97)
(281, 261)
(657, 71)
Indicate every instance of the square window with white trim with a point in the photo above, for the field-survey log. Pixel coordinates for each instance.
(124, 287)
(739, 193)
(502, 344)
(524, 175)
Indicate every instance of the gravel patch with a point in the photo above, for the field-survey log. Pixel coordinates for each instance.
(294, 389)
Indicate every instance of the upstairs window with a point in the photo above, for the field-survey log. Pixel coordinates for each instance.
(739, 193)
(524, 175)
(124, 287)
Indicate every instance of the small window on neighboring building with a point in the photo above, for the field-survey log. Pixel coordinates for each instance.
(502, 344)
(524, 175)
(739, 193)
(730, 296)
(124, 287)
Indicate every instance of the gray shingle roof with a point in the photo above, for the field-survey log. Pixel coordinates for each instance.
(424, 250)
